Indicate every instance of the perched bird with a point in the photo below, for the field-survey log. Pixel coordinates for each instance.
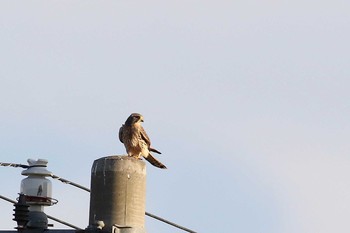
(136, 141)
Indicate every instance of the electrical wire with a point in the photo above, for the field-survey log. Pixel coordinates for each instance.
(52, 175)
(69, 182)
(13, 165)
(168, 222)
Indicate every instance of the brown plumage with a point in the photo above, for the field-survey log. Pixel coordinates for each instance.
(136, 140)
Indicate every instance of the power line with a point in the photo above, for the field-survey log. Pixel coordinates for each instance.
(13, 165)
(170, 223)
(52, 175)
(69, 182)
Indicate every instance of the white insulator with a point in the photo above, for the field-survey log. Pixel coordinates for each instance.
(36, 187)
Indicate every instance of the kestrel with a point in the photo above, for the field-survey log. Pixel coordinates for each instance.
(136, 140)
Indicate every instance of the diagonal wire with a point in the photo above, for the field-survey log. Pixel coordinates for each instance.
(69, 182)
(168, 222)
(13, 165)
(52, 175)
(48, 216)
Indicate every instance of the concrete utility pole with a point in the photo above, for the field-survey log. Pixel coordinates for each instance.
(118, 193)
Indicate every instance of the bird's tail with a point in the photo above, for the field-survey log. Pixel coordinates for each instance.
(155, 162)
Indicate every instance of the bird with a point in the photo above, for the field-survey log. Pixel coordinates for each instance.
(136, 140)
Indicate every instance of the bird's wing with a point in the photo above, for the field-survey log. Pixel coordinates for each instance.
(154, 150)
(145, 137)
(121, 134)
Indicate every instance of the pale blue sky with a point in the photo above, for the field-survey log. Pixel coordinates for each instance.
(247, 100)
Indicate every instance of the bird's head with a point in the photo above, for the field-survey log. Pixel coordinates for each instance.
(134, 118)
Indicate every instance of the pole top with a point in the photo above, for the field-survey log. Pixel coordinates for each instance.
(119, 163)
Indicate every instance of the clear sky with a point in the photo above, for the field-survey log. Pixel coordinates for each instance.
(247, 100)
